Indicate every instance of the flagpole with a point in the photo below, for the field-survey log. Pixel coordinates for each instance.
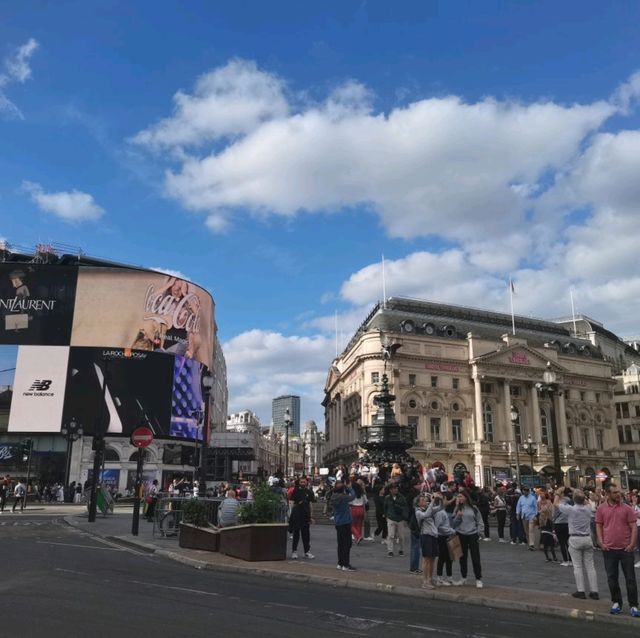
(573, 313)
(513, 317)
(384, 286)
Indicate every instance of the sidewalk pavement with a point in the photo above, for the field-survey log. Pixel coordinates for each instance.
(513, 577)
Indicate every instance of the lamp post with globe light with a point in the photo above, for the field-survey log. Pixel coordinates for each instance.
(531, 449)
(287, 425)
(514, 420)
(550, 388)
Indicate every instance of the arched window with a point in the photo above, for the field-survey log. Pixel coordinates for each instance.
(544, 426)
(487, 422)
(111, 456)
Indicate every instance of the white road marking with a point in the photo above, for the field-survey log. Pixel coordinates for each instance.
(185, 589)
(71, 571)
(111, 549)
(285, 605)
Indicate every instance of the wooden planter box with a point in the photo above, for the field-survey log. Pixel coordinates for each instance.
(261, 541)
(199, 538)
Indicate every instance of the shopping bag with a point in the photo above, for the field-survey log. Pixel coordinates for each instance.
(454, 547)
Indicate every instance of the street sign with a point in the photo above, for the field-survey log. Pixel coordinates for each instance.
(142, 437)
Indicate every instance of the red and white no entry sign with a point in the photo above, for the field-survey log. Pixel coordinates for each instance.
(141, 437)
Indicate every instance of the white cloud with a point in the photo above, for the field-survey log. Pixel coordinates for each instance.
(262, 365)
(438, 166)
(16, 69)
(230, 100)
(70, 206)
(171, 273)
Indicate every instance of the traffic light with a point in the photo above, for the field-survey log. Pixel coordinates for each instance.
(25, 448)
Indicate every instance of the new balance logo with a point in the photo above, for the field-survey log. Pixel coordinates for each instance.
(40, 385)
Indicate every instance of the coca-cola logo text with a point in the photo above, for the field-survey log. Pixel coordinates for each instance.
(184, 312)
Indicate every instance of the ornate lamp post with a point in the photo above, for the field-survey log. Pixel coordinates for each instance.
(72, 432)
(550, 388)
(287, 425)
(514, 420)
(531, 449)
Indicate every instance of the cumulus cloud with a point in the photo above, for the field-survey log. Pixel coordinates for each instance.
(437, 166)
(228, 101)
(16, 69)
(171, 273)
(262, 365)
(70, 206)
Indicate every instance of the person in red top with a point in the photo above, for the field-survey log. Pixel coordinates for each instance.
(617, 533)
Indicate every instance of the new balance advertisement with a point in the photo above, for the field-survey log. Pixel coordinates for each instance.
(144, 311)
(114, 391)
(36, 303)
(38, 389)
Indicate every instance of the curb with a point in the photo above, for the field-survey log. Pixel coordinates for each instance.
(399, 590)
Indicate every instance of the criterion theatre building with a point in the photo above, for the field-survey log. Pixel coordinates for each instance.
(457, 376)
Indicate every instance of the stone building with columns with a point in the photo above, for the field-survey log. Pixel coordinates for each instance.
(457, 376)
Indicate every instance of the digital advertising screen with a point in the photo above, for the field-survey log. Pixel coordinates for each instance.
(144, 311)
(36, 303)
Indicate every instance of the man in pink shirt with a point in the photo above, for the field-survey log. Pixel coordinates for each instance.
(617, 533)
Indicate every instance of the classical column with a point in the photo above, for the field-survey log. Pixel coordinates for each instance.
(479, 433)
(509, 434)
(536, 426)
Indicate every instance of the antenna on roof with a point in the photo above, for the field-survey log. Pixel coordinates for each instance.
(384, 287)
(573, 312)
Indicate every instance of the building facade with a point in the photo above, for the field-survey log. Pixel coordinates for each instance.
(108, 347)
(627, 406)
(279, 406)
(460, 374)
(313, 448)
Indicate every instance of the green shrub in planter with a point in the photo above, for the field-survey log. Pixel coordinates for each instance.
(194, 512)
(265, 507)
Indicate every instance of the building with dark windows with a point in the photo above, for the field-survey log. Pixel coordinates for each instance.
(279, 406)
(470, 388)
(106, 347)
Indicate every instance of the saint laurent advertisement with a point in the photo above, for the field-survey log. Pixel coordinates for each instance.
(36, 303)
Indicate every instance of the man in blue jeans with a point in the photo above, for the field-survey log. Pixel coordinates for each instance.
(340, 499)
(617, 534)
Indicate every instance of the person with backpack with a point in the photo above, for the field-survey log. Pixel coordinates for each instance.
(396, 511)
(467, 521)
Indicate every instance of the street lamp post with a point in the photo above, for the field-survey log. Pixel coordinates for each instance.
(207, 385)
(550, 388)
(531, 449)
(514, 419)
(72, 432)
(287, 425)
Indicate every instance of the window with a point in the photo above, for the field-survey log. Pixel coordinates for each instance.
(585, 438)
(412, 421)
(625, 410)
(434, 382)
(544, 427)
(600, 439)
(514, 390)
(597, 397)
(570, 436)
(618, 411)
(412, 379)
(620, 434)
(375, 377)
(627, 434)
(110, 455)
(455, 383)
(455, 407)
(435, 429)
(486, 388)
(434, 405)
(412, 403)
(487, 422)
(631, 458)
(456, 430)
(637, 410)
(582, 396)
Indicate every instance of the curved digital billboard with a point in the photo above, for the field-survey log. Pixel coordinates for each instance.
(112, 348)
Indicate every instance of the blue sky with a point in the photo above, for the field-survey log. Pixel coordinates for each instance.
(273, 151)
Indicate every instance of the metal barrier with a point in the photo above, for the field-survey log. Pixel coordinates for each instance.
(168, 513)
